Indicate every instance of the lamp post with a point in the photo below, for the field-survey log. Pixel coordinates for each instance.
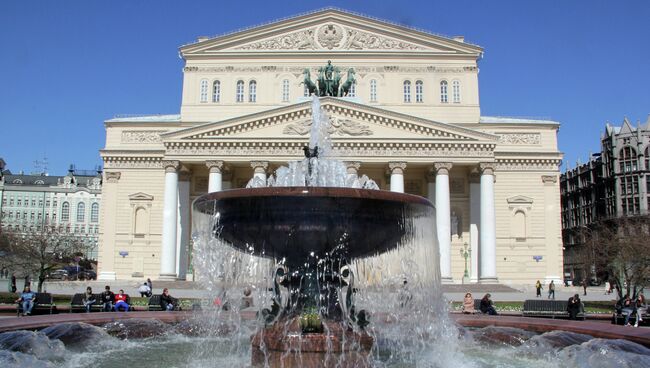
(465, 252)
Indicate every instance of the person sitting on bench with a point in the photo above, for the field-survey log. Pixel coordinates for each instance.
(89, 299)
(120, 301)
(107, 299)
(574, 306)
(168, 302)
(487, 307)
(468, 304)
(641, 308)
(26, 300)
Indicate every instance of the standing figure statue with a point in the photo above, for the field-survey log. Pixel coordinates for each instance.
(328, 80)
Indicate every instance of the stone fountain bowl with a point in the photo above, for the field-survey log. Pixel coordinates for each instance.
(300, 222)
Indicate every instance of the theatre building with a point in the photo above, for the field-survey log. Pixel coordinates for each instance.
(410, 120)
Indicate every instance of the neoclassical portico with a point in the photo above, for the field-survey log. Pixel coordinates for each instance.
(411, 123)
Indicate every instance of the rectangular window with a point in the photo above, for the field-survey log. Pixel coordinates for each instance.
(4, 201)
(32, 216)
(47, 203)
(40, 203)
(11, 201)
(33, 202)
(19, 202)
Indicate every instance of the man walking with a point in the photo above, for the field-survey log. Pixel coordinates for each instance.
(551, 290)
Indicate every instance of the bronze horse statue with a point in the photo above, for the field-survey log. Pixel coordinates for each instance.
(311, 86)
(347, 85)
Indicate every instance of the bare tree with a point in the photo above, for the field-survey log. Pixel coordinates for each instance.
(37, 252)
(620, 248)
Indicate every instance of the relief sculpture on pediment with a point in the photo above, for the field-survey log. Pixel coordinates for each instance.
(338, 126)
(303, 40)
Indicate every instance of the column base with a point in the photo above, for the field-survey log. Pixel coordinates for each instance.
(107, 275)
(446, 280)
(488, 280)
(167, 277)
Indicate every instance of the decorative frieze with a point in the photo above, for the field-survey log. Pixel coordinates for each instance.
(298, 70)
(520, 138)
(131, 162)
(549, 179)
(112, 176)
(141, 136)
(527, 164)
(337, 126)
(302, 40)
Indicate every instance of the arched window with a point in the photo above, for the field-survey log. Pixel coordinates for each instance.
(518, 229)
(419, 91)
(216, 91)
(204, 90)
(455, 91)
(239, 92)
(81, 212)
(407, 91)
(352, 92)
(94, 212)
(373, 90)
(627, 160)
(285, 90)
(252, 91)
(140, 221)
(65, 211)
(443, 92)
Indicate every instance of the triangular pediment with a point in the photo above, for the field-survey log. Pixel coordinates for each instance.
(330, 30)
(520, 200)
(140, 196)
(348, 120)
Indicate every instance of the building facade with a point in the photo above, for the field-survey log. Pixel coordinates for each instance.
(411, 122)
(613, 183)
(70, 204)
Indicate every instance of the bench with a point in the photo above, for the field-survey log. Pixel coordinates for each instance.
(154, 303)
(77, 304)
(619, 318)
(42, 301)
(549, 308)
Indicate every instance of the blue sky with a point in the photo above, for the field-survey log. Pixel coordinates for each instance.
(67, 66)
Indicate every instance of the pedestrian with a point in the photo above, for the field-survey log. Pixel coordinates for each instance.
(538, 286)
(574, 306)
(584, 286)
(13, 283)
(607, 287)
(551, 290)
(144, 290)
(107, 299)
(26, 300)
(487, 307)
(150, 284)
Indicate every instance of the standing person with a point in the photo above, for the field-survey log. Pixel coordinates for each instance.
(27, 300)
(13, 283)
(584, 286)
(468, 304)
(89, 299)
(574, 306)
(150, 284)
(641, 308)
(551, 290)
(107, 299)
(607, 287)
(120, 301)
(144, 290)
(168, 302)
(538, 287)
(486, 305)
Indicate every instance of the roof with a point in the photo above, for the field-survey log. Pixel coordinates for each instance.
(146, 118)
(511, 120)
(46, 180)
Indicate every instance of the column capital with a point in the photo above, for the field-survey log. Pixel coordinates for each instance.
(442, 168)
(549, 179)
(112, 176)
(184, 175)
(397, 167)
(474, 176)
(260, 166)
(487, 168)
(171, 166)
(215, 166)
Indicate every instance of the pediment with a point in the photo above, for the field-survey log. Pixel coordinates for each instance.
(328, 31)
(349, 121)
(519, 200)
(140, 196)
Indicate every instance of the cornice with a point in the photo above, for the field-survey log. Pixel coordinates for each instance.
(528, 164)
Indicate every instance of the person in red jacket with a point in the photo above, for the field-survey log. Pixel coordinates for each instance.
(120, 301)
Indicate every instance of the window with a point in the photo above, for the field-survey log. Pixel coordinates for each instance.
(252, 91)
(204, 90)
(65, 211)
(443, 92)
(647, 158)
(33, 202)
(55, 202)
(216, 91)
(373, 90)
(518, 229)
(352, 92)
(39, 217)
(140, 221)
(240, 91)
(4, 201)
(305, 91)
(32, 216)
(11, 201)
(455, 91)
(81, 212)
(47, 203)
(94, 212)
(285, 90)
(419, 91)
(407, 91)
(40, 203)
(19, 202)
(627, 160)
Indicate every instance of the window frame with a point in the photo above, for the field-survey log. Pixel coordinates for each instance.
(406, 90)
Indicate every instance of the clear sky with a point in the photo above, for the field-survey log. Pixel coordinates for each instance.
(66, 66)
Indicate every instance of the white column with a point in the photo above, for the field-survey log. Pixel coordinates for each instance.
(488, 241)
(108, 226)
(259, 169)
(216, 176)
(170, 212)
(397, 176)
(552, 230)
(474, 221)
(443, 219)
(183, 225)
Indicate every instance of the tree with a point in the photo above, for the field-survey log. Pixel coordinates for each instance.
(620, 248)
(37, 252)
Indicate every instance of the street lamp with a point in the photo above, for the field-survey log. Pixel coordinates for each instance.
(465, 252)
